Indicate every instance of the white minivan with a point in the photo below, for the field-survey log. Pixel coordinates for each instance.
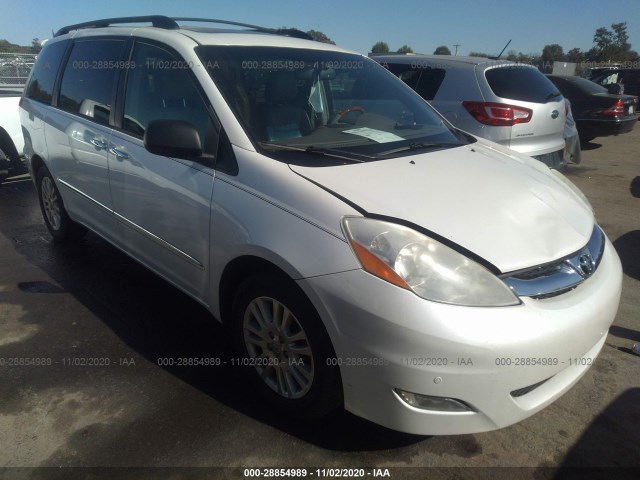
(365, 253)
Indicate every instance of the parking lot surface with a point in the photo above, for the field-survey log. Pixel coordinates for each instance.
(97, 390)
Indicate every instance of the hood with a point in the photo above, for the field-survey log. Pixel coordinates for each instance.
(509, 209)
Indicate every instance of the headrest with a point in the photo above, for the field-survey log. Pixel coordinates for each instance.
(281, 87)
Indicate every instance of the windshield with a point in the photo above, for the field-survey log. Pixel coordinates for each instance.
(329, 103)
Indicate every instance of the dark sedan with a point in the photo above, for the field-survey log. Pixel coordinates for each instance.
(597, 112)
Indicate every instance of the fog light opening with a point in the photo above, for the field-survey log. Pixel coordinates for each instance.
(428, 402)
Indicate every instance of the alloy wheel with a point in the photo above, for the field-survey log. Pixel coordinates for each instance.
(51, 203)
(278, 347)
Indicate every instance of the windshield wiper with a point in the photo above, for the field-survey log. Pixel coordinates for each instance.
(418, 146)
(552, 95)
(328, 152)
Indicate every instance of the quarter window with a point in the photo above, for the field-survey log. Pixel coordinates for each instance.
(45, 71)
(89, 78)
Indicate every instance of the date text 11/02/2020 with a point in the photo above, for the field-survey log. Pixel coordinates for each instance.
(67, 361)
(269, 361)
(317, 472)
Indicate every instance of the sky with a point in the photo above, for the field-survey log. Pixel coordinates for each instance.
(476, 25)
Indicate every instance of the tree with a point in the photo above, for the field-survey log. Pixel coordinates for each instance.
(611, 45)
(442, 50)
(553, 53)
(320, 37)
(380, 47)
(478, 54)
(575, 55)
(8, 47)
(405, 49)
(512, 55)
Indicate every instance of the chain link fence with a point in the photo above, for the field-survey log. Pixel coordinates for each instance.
(15, 68)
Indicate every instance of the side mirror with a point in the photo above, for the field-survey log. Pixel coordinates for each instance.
(173, 138)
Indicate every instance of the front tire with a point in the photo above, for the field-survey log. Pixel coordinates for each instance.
(60, 226)
(285, 348)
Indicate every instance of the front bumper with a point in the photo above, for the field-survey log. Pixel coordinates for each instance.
(480, 356)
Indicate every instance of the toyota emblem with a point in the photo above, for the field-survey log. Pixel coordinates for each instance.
(586, 265)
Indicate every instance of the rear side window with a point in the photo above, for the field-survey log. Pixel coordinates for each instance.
(522, 83)
(608, 79)
(633, 76)
(45, 70)
(632, 82)
(425, 81)
(88, 80)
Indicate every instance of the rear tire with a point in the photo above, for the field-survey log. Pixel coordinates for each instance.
(60, 226)
(285, 348)
(4, 165)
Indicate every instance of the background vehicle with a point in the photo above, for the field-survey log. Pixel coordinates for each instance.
(597, 112)
(628, 79)
(508, 103)
(11, 139)
(14, 70)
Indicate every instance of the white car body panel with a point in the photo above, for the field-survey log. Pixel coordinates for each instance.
(501, 202)
(10, 120)
(397, 327)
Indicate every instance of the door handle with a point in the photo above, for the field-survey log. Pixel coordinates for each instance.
(119, 153)
(101, 144)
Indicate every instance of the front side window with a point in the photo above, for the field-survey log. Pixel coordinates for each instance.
(159, 87)
(89, 78)
(328, 103)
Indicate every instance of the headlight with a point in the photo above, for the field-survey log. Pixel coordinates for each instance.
(425, 266)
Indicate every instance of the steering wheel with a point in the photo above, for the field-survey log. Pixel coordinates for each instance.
(337, 118)
(352, 108)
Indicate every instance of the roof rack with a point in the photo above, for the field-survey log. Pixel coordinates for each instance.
(168, 23)
(159, 21)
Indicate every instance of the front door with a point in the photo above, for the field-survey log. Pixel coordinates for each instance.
(161, 204)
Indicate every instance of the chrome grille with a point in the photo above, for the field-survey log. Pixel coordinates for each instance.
(561, 276)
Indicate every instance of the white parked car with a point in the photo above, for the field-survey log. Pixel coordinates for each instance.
(11, 140)
(364, 251)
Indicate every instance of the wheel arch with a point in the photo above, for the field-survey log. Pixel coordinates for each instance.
(238, 270)
(36, 164)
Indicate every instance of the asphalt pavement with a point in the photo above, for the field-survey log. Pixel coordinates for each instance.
(92, 391)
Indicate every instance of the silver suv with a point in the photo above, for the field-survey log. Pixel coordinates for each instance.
(509, 103)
